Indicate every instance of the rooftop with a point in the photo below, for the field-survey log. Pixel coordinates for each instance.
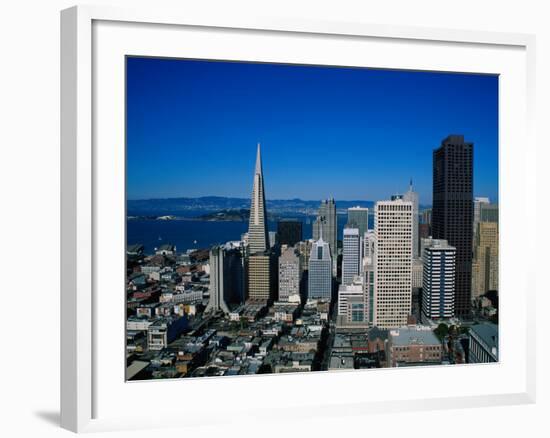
(488, 333)
(416, 335)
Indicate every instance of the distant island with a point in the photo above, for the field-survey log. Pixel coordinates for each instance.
(240, 215)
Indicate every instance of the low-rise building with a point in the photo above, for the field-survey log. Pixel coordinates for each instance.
(164, 330)
(166, 249)
(413, 345)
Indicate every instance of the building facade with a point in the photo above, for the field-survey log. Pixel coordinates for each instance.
(217, 281)
(289, 274)
(326, 226)
(289, 232)
(352, 303)
(438, 290)
(358, 217)
(262, 277)
(258, 237)
(485, 270)
(320, 271)
(392, 263)
(412, 197)
(352, 256)
(452, 212)
(413, 346)
(261, 262)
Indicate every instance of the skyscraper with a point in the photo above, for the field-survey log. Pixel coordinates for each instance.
(488, 213)
(485, 267)
(368, 244)
(261, 262)
(289, 274)
(262, 276)
(438, 289)
(452, 213)
(412, 197)
(352, 257)
(392, 262)
(327, 221)
(320, 271)
(358, 217)
(478, 201)
(258, 238)
(217, 281)
(289, 231)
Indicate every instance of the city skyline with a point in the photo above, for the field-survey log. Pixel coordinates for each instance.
(387, 294)
(169, 120)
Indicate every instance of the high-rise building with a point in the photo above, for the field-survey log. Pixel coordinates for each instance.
(485, 268)
(478, 202)
(358, 217)
(412, 196)
(393, 223)
(368, 244)
(352, 256)
(272, 238)
(289, 274)
(452, 213)
(423, 233)
(488, 213)
(438, 290)
(304, 250)
(217, 281)
(368, 288)
(262, 276)
(417, 273)
(289, 231)
(258, 238)
(234, 262)
(262, 270)
(326, 225)
(320, 271)
(352, 303)
(426, 216)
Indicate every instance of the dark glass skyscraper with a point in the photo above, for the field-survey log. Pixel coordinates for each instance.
(289, 232)
(452, 213)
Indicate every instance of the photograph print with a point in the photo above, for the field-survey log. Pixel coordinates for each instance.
(299, 218)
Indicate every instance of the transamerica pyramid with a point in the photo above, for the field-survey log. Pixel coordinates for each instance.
(258, 238)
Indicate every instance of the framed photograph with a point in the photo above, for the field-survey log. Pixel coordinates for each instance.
(322, 215)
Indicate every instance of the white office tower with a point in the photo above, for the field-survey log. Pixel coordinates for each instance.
(352, 303)
(438, 291)
(217, 302)
(412, 196)
(289, 274)
(320, 271)
(352, 256)
(392, 262)
(368, 244)
(358, 217)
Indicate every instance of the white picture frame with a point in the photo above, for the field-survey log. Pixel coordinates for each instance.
(85, 177)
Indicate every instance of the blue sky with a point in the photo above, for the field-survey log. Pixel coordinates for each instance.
(350, 133)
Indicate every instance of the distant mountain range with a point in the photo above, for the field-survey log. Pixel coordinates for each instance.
(198, 206)
(195, 207)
